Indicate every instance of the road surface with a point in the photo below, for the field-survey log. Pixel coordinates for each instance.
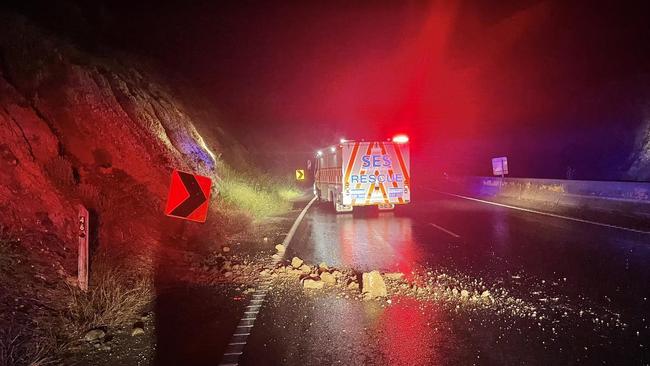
(596, 280)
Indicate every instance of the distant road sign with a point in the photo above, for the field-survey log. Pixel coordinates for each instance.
(189, 196)
(500, 166)
(300, 174)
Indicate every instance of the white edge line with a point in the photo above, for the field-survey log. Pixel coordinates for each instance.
(296, 223)
(445, 230)
(285, 242)
(542, 213)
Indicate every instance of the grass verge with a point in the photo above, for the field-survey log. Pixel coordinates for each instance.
(259, 195)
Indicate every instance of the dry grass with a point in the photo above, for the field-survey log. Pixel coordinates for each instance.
(112, 300)
(17, 348)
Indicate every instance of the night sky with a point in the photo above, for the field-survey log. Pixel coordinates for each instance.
(550, 84)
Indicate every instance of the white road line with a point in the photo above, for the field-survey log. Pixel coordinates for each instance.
(543, 213)
(258, 297)
(445, 230)
(294, 228)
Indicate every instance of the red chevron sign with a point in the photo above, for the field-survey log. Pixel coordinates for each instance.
(189, 196)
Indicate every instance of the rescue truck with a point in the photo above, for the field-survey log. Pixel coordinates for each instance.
(364, 173)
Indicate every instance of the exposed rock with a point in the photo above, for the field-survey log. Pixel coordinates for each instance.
(305, 269)
(279, 248)
(373, 285)
(105, 170)
(337, 274)
(138, 329)
(296, 262)
(312, 284)
(464, 294)
(94, 335)
(276, 257)
(323, 266)
(225, 249)
(328, 278)
(265, 273)
(353, 285)
(485, 294)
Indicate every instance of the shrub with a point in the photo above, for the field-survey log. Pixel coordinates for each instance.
(17, 348)
(113, 299)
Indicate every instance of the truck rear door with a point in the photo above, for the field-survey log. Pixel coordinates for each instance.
(376, 172)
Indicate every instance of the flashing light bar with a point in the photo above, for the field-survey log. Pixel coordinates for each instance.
(400, 139)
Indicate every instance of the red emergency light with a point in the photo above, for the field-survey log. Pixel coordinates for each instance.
(400, 139)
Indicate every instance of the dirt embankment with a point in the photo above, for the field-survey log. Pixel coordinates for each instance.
(106, 133)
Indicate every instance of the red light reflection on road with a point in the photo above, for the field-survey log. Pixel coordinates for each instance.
(414, 335)
(384, 243)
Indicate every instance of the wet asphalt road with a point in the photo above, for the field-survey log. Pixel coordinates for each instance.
(600, 272)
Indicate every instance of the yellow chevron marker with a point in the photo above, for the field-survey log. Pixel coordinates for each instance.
(300, 174)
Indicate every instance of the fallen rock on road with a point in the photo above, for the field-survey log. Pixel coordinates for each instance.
(328, 278)
(296, 262)
(395, 276)
(312, 284)
(373, 285)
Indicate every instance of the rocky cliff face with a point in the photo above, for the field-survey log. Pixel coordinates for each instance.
(640, 168)
(76, 128)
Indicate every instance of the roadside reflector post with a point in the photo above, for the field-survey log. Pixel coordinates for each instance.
(82, 260)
